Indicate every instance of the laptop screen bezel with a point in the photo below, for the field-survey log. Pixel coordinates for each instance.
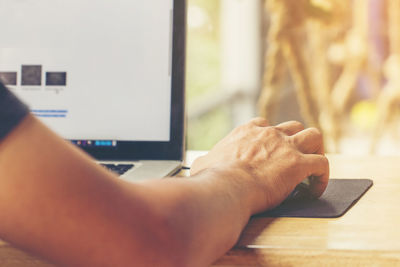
(173, 149)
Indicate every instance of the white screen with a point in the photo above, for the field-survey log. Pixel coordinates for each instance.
(91, 69)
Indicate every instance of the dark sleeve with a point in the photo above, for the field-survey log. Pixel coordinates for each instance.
(12, 111)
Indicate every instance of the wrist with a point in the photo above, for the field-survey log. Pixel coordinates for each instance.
(240, 186)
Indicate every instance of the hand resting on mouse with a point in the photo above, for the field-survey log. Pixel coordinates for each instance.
(273, 159)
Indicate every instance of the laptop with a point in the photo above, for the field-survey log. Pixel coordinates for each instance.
(106, 75)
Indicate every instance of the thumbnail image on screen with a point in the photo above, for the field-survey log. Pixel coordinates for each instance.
(8, 78)
(31, 75)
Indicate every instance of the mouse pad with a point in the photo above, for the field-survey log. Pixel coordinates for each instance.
(338, 198)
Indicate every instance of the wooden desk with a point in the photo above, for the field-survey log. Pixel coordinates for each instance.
(367, 235)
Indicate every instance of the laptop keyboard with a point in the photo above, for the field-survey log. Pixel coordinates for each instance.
(118, 168)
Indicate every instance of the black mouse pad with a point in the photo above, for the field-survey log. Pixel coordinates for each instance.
(338, 198)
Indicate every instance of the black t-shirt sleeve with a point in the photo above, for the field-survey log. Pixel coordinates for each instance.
(12, 111)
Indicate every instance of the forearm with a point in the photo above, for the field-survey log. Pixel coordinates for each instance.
(206, 213)
(55, 201)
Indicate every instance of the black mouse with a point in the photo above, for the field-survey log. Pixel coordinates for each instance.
(301, 192)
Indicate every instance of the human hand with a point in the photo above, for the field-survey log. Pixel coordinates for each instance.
(270, 160)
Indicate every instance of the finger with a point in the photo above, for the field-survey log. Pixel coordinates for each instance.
(290, 127)
(261, 122)
(309, 141)
(318, 171)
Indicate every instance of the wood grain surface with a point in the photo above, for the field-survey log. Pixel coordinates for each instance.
(367, 235)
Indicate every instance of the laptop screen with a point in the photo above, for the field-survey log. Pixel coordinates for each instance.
(95, 71)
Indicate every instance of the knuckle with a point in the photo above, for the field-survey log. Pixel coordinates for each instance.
(298, 157)
(316, 132)
(259, 121)
(271, 131)
(294, 158)
(297, 124)
(291, 141)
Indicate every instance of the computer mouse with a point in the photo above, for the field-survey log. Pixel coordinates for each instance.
(301, 192)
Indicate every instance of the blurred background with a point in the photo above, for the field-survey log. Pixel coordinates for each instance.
(331, 64)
